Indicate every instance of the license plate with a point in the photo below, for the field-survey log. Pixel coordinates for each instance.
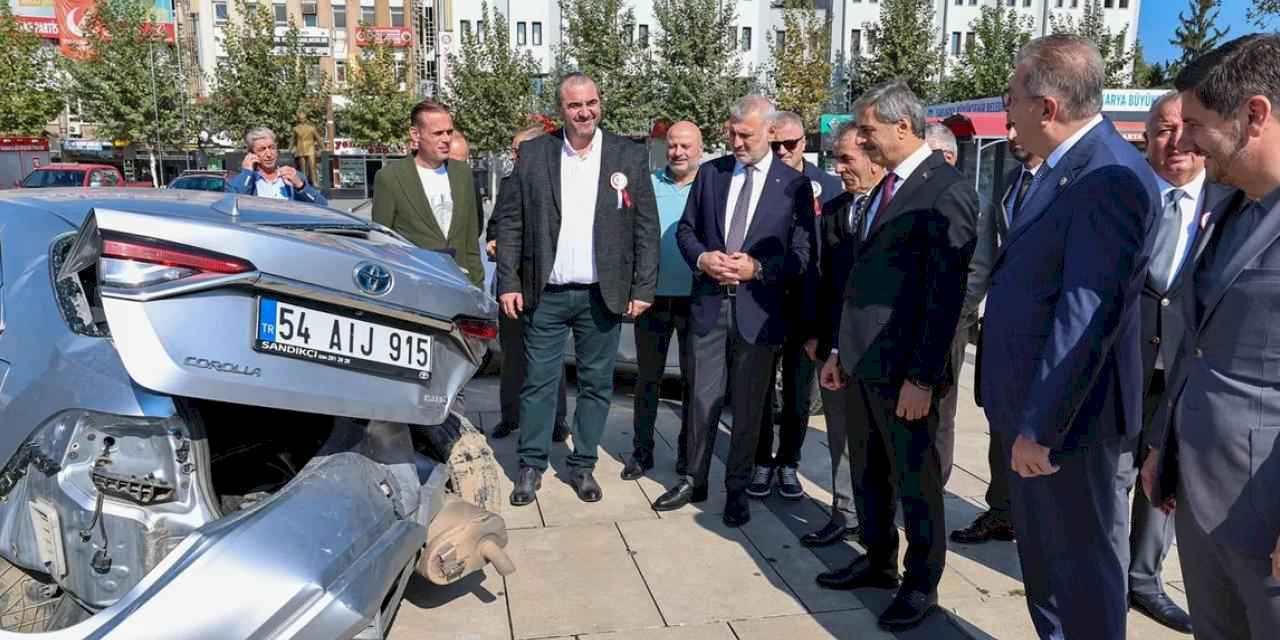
(295, 331)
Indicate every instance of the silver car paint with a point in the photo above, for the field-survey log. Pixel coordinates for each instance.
(362, 508)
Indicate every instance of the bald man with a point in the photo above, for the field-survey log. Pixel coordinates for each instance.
(670, 310)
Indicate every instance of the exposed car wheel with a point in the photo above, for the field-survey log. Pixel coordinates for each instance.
(33, 603)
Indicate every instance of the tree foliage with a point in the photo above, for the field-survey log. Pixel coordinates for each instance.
(696, 70)
(1198, 33)
(1262, 12)
(128, 80)
(800, 72)
(599, 41)
(983, 68)
(29, 96)
(377, 111)
(491, 90)
(1116, 56)
(1150, 76)
(905, 44)
(258, 84)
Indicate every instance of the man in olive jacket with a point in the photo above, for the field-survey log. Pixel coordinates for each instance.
(428, 198)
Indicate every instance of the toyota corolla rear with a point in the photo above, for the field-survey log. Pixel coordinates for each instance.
(236, 409)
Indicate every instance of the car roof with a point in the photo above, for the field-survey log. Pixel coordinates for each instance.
(72, 165)
(74, 204)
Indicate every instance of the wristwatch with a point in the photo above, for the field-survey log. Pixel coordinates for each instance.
(759, 269)
(920, 385)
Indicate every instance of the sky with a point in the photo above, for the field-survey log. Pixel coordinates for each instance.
(1160, 17)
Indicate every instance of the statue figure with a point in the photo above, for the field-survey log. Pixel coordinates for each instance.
(306, 142)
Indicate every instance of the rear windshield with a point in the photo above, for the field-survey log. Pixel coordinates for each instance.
(54, 178)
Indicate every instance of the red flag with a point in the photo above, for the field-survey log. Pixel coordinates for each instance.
(71, 16)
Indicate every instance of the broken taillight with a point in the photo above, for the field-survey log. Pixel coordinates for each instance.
(132, 262)
(477, 328)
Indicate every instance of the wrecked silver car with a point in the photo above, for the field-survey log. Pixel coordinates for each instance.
(228, 417)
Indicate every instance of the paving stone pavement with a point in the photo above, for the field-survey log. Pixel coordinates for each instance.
(617, 570)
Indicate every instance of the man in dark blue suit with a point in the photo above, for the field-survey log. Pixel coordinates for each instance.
(1062, 381)
(1217, 445)
(747, 232)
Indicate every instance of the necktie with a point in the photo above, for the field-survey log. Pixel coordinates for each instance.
(886, 194)
(1024, 184)
(738, 224)
(1163, 253)
(853, 211)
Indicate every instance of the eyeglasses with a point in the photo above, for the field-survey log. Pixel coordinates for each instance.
(789, 144)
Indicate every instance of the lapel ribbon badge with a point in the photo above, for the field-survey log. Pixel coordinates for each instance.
(817, 193)
(619, 183)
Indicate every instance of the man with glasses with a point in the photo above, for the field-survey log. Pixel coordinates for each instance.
(788, 142)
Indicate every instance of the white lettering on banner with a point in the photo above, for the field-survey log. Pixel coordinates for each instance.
(1117, 100)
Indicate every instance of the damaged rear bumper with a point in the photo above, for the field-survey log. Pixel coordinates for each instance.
(326, 557)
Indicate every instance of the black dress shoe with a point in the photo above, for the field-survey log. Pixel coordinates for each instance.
(908, 609)
(737, 510)
(985, 527)
(586, 486)
(561, 432)
(504, 429)
(636, 466)
(527, 485)
(860, 575)
(1161, 608)
(678, 496)
(828, 535)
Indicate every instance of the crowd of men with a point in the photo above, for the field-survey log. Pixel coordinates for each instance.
(1131, 327)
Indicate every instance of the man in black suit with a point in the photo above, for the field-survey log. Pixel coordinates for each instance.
(1185, 196)
(859, 175)
(747, 232)
(1216, 441)
(996, 523)
(902, 303)
(577, 249)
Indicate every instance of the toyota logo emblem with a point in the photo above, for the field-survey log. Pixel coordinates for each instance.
(373, 279)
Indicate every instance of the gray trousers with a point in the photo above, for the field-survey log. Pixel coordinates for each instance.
(841, 448)
(945, 442)
(1232, 594)
(1142, 540)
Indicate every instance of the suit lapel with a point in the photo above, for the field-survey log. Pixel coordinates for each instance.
(902, 194)
(458, 191)
(1261, 237)
(721, 196)
(1002, 222)
(606, 196)
(412, 189)
(772, 187)
(1214, 195)
(554, 151)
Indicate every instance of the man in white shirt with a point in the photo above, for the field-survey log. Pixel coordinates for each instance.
(577, 250)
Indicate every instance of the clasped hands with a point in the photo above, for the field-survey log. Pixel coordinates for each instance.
(728, 268)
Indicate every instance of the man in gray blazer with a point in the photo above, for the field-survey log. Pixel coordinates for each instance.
(1217, 437)
(577, 249)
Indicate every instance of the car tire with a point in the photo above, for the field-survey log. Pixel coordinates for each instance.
(32, 603)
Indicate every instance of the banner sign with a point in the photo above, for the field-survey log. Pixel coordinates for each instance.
(397, 37)
(18, 143)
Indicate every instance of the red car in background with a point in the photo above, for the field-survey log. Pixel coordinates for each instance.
(66, 174)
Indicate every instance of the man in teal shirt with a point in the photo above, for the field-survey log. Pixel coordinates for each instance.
(670, 310)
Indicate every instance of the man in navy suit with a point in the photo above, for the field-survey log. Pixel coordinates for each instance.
(747, 232)
(1062, 381)
(913, 238)
(1217, 448)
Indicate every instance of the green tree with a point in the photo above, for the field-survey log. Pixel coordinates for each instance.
(1262, 12)
(491, 90)
(600, 42)
(377, 111)
(905, 44)
(1116, 56)
(128, 78)
(1149, 76)
(260, 84)
(29, 96)
(800, 73)
(696, 70)
(983, 69)
(1198, 33)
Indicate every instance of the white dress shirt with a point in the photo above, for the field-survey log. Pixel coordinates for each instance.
(1189, 208)
(579, 185)
(1062, 149)
(902, 171)
(735, 187)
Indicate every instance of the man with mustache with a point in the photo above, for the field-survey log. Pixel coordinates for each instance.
(577, 249)
(670, 310)
(1217, 437)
